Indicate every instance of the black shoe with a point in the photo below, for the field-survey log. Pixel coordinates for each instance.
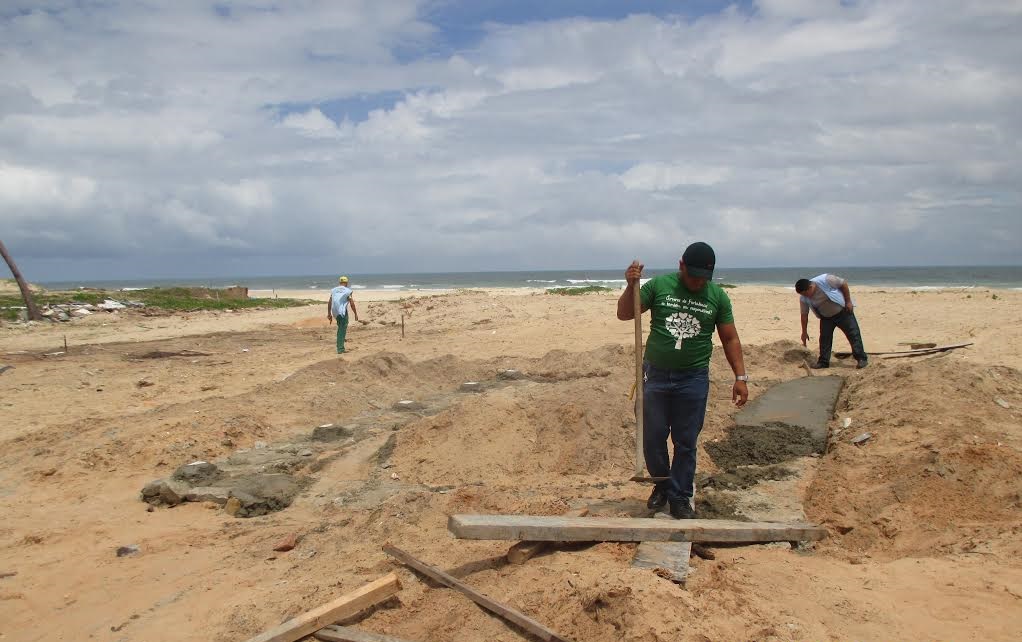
(657, 499)
(682, 509)
(819, 366)
(861, 363)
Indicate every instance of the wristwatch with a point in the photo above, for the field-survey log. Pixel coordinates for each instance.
(742, 377)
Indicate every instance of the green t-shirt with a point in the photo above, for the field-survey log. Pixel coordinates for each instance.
(680, 335)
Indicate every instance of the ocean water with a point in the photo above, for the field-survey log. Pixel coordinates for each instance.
(1007, 277)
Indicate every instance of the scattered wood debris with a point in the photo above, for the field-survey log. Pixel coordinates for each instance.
(165, 354)
(863, 438)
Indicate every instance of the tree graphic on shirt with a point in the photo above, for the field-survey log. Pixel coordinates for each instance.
(682, 325)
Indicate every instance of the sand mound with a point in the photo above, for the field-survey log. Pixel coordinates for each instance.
(565, 418)
(941, 471)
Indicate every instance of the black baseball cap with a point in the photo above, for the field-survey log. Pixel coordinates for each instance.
(699, 260)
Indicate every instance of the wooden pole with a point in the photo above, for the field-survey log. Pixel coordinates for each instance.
(402, 326)
(640, 457)
(506, 612)
(640, 460)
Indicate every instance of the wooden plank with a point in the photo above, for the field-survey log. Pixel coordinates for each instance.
(627, 529)
(345, 606)
(670, 557)
(506, 612)
(935, 348)
(928, 351)
(335, 633)
(521, 552)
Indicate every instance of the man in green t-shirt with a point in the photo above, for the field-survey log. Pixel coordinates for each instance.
(686, 307)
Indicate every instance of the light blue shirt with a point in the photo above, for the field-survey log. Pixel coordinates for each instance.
(339, 300)
(828, 299)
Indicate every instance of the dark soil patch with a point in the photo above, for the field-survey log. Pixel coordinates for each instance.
(714, 505)
(760, 445)
(744, 477)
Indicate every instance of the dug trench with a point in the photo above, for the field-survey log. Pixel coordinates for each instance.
(268, 476)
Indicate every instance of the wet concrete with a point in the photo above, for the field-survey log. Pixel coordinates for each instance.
(765, 445)
(806, 403)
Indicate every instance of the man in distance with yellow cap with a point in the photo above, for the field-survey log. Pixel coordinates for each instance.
(337, 306)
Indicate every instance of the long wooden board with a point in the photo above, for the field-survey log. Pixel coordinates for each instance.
(506, 612)
(345, 606)
(671, 557)
(335, 633)
(627, 529)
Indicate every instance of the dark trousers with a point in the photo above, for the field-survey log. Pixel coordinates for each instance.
(846, 321)
(674, 403)
(342, 331)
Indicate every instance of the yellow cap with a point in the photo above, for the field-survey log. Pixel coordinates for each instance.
(343, 279)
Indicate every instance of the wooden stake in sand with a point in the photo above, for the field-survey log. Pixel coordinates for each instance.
(402, 326)
(298, 627)
(506, 612)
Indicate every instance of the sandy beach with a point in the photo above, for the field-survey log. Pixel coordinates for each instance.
(924, 519)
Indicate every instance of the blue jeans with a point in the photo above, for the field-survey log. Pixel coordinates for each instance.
(674, 403)
(850, 326)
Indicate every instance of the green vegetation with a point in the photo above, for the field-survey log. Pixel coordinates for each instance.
(728, 286)
(173, 299)
(588, 289)
(188, 299)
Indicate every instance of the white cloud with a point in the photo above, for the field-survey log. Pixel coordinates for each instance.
(313, 123)
(156, 131)
(246, 194)
(663, 176)
(24, 187)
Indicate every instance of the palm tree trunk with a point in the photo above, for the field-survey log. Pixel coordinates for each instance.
(33, 312)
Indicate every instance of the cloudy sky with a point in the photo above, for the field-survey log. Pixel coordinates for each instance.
(192, 138)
